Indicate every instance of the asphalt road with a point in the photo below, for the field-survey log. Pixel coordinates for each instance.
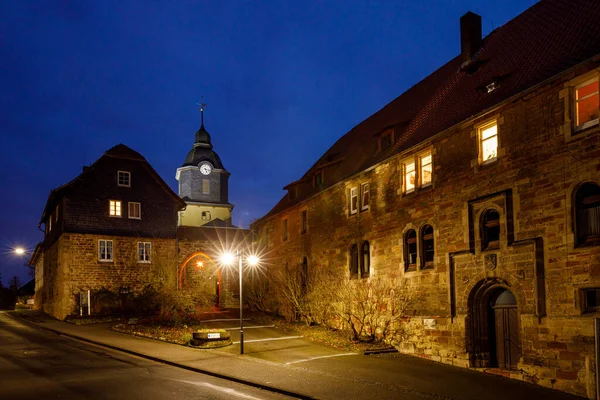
(36, 364)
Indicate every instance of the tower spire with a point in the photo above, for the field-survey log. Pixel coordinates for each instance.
(201, 104)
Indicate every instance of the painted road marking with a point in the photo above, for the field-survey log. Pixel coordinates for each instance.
(270, 339)
(250, 327)
(315, 358)
(229, 391)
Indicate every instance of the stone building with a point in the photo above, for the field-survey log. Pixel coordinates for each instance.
(118, 222)
(478, 188)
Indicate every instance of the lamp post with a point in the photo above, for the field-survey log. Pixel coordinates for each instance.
(228, 259)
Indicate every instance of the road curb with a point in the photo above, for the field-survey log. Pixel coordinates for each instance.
(171, 363)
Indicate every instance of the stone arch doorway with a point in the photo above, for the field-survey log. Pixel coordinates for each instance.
(493, 324)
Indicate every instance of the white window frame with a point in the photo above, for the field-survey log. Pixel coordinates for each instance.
(364, 189)
(353, 206)
(128, 175)
(422, 170)
(405, 172)
(593, 122)
(113, 207)
(481, 140)
(144, 252)
(132, 205)
(104, 257)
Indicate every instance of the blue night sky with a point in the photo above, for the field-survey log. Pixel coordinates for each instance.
(283, 80)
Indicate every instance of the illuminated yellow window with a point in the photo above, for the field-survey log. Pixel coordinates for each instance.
(114, 209)
(426, 169)
(488, 142)
(587, 104)
(409, 176)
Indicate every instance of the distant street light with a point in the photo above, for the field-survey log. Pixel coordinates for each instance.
(20, 251)
(228, 259)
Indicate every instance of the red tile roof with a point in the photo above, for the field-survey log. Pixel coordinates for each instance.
(545, 40)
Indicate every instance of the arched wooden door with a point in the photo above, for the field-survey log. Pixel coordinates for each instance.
(507, 349)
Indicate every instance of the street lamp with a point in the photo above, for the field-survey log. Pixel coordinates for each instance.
(228, 259)
(19, 251)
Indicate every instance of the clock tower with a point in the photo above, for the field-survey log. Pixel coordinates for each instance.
(202, 182)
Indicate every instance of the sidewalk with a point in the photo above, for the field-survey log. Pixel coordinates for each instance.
(354, 377)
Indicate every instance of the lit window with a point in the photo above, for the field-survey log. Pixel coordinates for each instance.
(353, 200)
(114, 209)
(488, 142)
(124, 178)
(364, 196)
(144, 251)
(205, 186)
(586, 105)
(284, 229)
(409, 176)
(135, 210)
(205, 215)
(105, 250)
(304, 221)
(426, 169)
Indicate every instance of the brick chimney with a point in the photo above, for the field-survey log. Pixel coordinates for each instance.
(470, 35)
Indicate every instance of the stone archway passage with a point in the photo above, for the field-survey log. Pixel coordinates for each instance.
(493, 326)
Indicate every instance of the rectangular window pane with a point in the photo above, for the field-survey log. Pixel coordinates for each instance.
(205, 186)
(304, 221)
(135, 210)
(114, 208)
(426, 169)
(409, 176)
(284, 229)
(489, 148)
(364, 196)
(105, 250)
(124, 178)
(587, 103)
(353, 201)
(489, 132)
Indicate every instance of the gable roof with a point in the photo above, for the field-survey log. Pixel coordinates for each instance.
(119, 151)
(547, 39)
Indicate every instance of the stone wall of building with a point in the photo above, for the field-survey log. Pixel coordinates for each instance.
(531, 185)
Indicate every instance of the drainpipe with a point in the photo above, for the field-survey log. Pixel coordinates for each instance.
(597, 354)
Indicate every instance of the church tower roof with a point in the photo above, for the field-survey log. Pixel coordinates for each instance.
(202, 149)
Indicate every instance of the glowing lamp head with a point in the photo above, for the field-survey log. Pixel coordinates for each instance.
(200, 264)
(227, 258)
(253, 260)
(20, 251)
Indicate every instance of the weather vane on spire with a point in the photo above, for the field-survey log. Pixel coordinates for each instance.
(201, 104)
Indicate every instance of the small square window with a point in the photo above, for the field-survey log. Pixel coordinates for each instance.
(426, 169)
(205, 215)
(364, 196)
(591, 299)
(144, 251)
(353, 200)
(135, 210)
(587, 105)
(409, 180)
(105, 250)
(114, 208)
(124, 178)
(318, 179)
(488, 143)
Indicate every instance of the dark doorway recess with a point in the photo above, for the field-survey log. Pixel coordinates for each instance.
(493, 326)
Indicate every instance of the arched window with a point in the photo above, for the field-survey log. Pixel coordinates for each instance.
(410, 250)
(490, 230)
(427, 249)
(587, 214)
(365, 260)
(353, 261)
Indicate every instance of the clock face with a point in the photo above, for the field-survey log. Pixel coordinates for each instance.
(205, 169)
